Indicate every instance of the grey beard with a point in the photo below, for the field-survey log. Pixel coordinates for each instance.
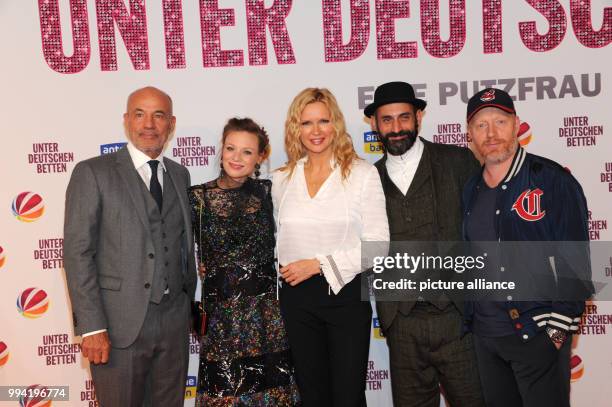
(398, 147)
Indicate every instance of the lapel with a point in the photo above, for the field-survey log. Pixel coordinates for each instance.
(181, 192)
(132, 182)
(423, 172)
(389, 186)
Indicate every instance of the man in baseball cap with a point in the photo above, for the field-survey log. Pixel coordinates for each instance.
(422, 182)
(523, 347)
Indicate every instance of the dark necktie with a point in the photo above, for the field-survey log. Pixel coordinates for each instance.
(155, 186)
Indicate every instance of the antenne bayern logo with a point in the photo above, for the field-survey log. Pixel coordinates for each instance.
(33, 398)
(4, 354)
(33, 302)
(2, 257)
(28, 206)
(528, 205)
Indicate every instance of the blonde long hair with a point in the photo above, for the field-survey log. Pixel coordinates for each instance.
(342, 144)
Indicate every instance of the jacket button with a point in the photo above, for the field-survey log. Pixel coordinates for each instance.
(164, 235)
(151, 255)
(163, 221)
(502, 269)
(147, 285)
(504, 187)
(509, 298)
(166, 264)
(408, 219)
(166, 249)
(497, 212)
(525, 336)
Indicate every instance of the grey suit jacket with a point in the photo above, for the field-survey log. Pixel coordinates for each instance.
(109, 254)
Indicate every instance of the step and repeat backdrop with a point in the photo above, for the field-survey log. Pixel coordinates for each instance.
(68, 66)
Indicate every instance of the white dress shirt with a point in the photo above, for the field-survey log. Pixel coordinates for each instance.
(141, 163)
(331, 225)
(401, 168)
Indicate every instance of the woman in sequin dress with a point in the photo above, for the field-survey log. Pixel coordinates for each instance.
(244, 359)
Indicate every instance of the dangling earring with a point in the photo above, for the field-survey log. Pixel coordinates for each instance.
(257, 172)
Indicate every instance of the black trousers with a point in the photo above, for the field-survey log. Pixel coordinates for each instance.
(426, 351)
(329, 337)
(524, 374)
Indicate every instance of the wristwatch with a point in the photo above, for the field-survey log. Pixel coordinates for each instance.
(556, 335)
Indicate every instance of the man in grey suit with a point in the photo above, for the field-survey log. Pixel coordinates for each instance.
(128, 253)
(423, 182)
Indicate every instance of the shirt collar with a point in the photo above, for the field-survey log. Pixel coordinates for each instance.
(302, 161)
(140, 159)
(412, 156)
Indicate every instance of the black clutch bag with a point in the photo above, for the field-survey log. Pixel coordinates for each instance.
(198, 318)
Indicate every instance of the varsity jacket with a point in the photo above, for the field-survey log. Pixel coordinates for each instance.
(538, 200)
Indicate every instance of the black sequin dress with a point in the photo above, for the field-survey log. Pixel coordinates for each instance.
(244, 358)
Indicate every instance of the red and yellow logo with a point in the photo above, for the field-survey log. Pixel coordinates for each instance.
(577, 368)
(4, 354)
(35, 396)
(2, 257)
(524, 134)
(33, 302)
(28, 206)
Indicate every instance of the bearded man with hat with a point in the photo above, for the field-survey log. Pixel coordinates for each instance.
(422, 182)
(523, 345)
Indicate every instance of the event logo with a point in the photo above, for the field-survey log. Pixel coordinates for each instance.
(4, 354)
(194, 344)
(89, 394)
(533, 212)
(28, 206)
(375, 377)
(596, 226)
(190, 388)
(377, 329)
(592, 322)
(488, 96)
(50, 253)
(451, 133)
(33, 302)
(579, 132)
(48, 158)
(190, 152)
(33, 398)
(371, 144)
(577, 368)
(57, 350)
(111, 148)
(2, 257)
(524, 134)
(606, 175)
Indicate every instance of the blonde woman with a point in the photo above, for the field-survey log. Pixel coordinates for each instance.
(327, 201)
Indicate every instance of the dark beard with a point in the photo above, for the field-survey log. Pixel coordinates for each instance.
(398, 147)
